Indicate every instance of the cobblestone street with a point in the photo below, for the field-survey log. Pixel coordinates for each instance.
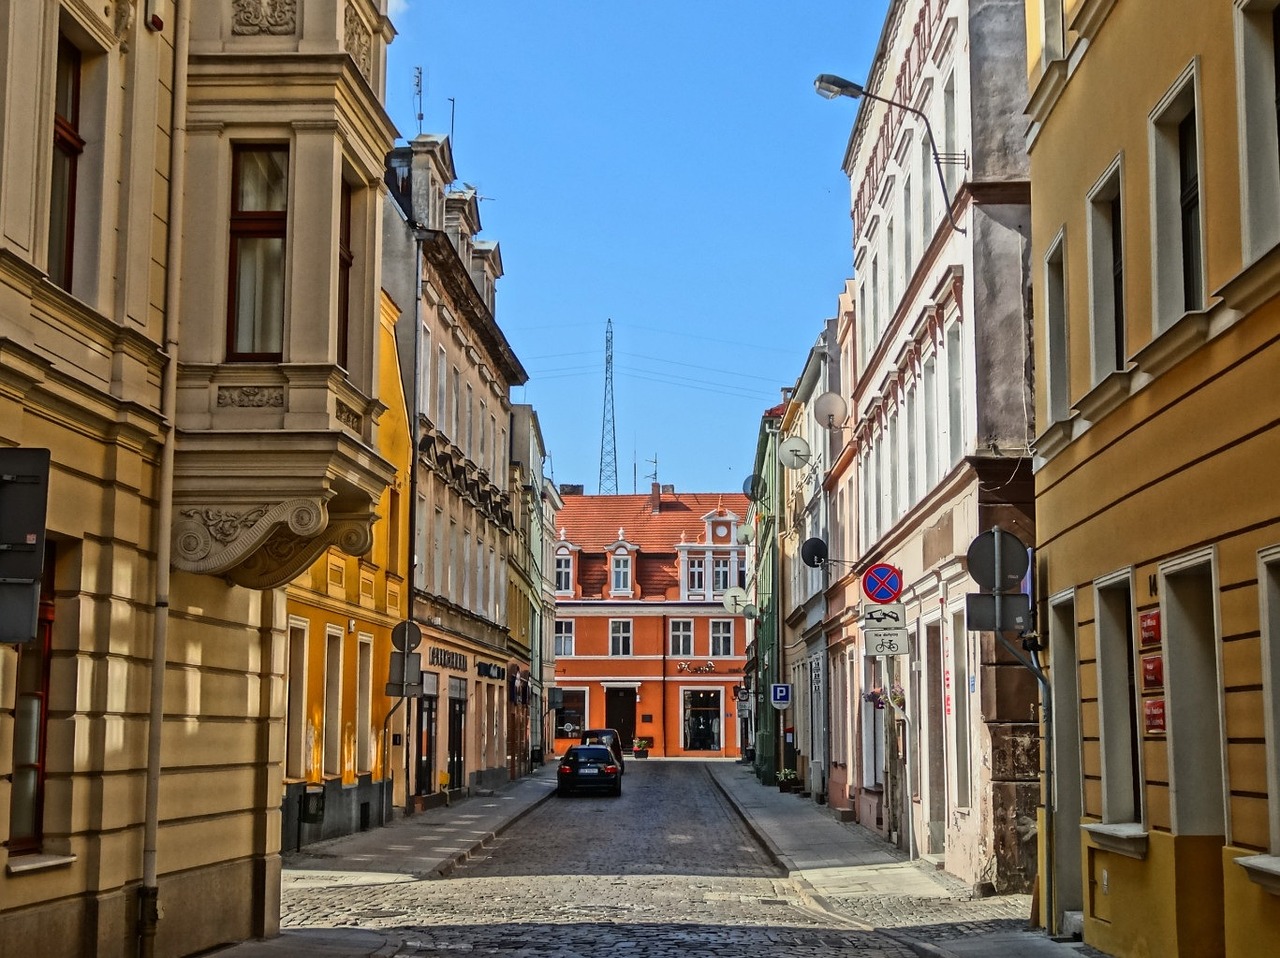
(669, 868)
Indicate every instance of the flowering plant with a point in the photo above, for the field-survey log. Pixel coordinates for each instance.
(641, 743)
(787, 775)
(878, 696)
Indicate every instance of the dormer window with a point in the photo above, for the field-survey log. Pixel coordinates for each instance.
(564, 573)
(697, 575)
(719, 574)
(621, 572)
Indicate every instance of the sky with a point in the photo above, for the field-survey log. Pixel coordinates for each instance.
(665, 165)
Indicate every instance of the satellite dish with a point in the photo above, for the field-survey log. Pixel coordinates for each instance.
(794, 452)
(746, 533)
(813, 552)
(830, 409)
(735, 600)
(754, 488)
(750, 611)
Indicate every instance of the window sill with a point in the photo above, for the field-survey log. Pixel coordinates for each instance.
(1054, 439)
(27, 864)
(1106, 395)
(1123, 838)
(1263, 870)
(1174, 344)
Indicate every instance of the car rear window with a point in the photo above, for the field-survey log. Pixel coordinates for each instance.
(593, 753)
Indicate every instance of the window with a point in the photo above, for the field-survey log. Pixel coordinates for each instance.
(872, 728)
(1118, 704)
(453, 406)
(564, 637)
(620, 637)
(345, 259)
(929, 383)
(682, 637)
(1189, 201)
(955, 392)
(31, 728)
(894, 499)
(1269, 587)
(721, 637)
(564, 573)
(295, 728)
(364, 703)
(68, 144)
(908, 232)
(912, 443)
(333, 703)
(437, 558)
(1258, 75)
(259, 214)
(1057, 342)
(1106, 277)
(1178, 271)
(621, 572)
(719, 574)
(442, 387)
(571, 715)
(927, 178)
(950, 134)
(960, 669)
(697, 581)
(891, 271)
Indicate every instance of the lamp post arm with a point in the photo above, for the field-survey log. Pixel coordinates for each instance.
(933, 148)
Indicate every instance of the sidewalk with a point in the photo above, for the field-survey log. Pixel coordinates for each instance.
(852, 872)
(846, 869)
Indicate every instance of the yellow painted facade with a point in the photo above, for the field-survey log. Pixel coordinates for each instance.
(355, 602)
(1156, 267)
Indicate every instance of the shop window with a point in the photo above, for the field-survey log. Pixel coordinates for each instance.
(571, 714)
(31, 727)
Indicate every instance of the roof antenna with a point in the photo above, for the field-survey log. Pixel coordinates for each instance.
(453, 110)
(417, 95)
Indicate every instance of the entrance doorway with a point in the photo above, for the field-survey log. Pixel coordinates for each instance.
(457, 727)
(702, 712)
(424, 748)
(620, 713)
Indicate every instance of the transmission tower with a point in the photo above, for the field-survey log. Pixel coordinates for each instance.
(608, 443)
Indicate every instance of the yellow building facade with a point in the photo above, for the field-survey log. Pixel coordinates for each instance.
(1155, 167)
(344, 753)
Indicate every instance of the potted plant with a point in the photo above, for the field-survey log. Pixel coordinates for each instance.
(787, 779)
(640, 747)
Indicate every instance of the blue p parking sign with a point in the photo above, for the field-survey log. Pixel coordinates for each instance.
(780, 695)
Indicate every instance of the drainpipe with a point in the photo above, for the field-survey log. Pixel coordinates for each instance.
(666, 745)
(419, 236)
(149, 910)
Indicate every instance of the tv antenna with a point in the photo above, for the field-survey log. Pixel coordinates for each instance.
(417, 95)
(608, 441)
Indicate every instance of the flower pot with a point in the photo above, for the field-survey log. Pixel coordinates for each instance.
(640, 753)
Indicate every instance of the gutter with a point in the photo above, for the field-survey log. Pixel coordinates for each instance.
(149, 910)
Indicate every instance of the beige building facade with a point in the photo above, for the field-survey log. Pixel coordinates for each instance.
(171, 187)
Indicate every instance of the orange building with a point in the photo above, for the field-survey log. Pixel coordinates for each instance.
(650, 639)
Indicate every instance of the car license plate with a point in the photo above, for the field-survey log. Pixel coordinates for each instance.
(588, 771)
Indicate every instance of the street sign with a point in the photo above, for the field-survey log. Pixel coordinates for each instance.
(884, 641)
(780, 696)
(980, 612)
(1011, 553)
(884, 615)
(882, 583)
(406, 636)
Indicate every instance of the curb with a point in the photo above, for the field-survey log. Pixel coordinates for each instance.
(446, 868)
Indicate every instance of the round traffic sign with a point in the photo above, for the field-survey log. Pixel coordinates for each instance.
(1013, 560)
(882, 583)
(406, 636)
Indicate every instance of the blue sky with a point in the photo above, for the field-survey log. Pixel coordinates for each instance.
(664, 164)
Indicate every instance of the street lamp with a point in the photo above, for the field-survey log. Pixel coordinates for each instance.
(831, 86)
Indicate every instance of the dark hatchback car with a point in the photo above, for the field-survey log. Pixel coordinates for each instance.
(588, 767)
(609, 738)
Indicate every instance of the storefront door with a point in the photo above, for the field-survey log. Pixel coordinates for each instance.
(702, 713)
(457, 727)
(425, 746)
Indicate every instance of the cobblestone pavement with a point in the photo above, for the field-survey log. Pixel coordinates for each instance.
(667, 869)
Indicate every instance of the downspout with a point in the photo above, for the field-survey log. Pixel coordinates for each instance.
(666, 746)
(149, 911)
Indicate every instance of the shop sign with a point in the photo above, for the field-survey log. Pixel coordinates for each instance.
(1152, 672)
(488, 670)
(1153, 716)
(1149, 627)
(691, 667)
(445, 659)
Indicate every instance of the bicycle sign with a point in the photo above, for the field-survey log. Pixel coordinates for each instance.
(884, 641)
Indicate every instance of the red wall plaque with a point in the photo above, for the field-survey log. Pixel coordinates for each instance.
(1153, 716)
(1152, 672)
(1149, 627)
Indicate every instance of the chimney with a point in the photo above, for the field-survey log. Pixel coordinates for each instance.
(655, 499)
(570, 489)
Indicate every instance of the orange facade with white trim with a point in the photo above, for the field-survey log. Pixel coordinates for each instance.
(650, 633)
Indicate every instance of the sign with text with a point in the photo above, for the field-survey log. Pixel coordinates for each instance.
(1153, 716)
(1152, 672)
(1149, 627)
(780, 695)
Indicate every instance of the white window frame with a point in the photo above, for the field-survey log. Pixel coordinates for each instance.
(620, 572)
(565, 636)
(1114, 712)
(564, 573)
(721, 631)
(332, 760)
(1259, 139)
(1057, 333)
(364, 702)
(1103, 315)
(620, 637)
(296, 754)
(681, 637)
(696, 576)
(1167, 277)
(719, 574)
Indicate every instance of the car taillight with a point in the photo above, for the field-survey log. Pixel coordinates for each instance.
(565, 769)
(611, 769)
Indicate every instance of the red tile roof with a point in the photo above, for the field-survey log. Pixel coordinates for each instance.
(592, 522)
